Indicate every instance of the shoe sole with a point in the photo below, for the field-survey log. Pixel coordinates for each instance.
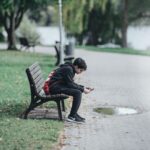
(73, 121)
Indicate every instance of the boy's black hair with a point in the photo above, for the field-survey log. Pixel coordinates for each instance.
(80, 63)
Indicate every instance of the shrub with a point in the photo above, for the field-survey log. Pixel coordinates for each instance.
(28, 29)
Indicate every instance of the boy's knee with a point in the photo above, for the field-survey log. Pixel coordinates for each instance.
(77, 93)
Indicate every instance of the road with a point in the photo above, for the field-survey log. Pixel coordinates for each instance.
(119, 80)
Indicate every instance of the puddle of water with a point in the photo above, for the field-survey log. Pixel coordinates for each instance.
(116, 111)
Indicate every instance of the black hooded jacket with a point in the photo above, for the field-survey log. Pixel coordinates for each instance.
(64, 75)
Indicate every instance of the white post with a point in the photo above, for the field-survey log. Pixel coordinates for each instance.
(60, 32)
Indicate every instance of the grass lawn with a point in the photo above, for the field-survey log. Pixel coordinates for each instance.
(15, 133)
(117, 50)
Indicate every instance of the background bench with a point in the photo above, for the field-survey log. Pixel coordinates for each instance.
(38, 97)
(24, 42)
(67, 57)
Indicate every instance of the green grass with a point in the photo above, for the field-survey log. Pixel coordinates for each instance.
(117, 50)
(15, 133)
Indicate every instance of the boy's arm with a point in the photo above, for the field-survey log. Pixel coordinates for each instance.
(68, 78)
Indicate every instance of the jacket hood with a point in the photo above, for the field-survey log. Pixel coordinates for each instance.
(68, 64)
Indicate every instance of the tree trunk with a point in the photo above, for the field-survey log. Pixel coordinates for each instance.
(125, 24)
(11, 33)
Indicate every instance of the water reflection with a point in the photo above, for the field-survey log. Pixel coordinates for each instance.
(116, 110)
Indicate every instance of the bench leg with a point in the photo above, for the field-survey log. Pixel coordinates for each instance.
(59, 110)
(57, 56)
(27, 111)
(63, 105)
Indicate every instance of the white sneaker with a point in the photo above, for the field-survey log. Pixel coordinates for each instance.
(75, 119)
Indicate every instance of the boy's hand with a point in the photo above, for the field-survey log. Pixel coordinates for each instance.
(88, 90)
(91, 89)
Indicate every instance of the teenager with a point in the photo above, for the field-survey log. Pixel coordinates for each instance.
(62, 81)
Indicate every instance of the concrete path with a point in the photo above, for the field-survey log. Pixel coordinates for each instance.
(119, 80)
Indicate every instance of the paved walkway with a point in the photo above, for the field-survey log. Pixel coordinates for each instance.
(119, 80)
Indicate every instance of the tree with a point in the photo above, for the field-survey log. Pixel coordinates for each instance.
(82, 16)
(11, 14)
(131, 11)
(103, 26)
(76, 15)
(44, 17)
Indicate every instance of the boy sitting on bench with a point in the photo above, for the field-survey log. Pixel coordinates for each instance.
(61, 82)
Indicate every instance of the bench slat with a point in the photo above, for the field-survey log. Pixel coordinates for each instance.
(33, 71)
(38, 89)
(36, 64)
(39, 84)
(36, 77)
(34, 68)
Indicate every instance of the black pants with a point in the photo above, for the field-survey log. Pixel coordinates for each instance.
(75, 93)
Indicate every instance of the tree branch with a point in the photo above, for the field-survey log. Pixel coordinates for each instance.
(19, 17)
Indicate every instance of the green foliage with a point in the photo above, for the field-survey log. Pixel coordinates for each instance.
(100, 20)
(72, 16)
(76, 14)
(137, 9)
(104, 25)
(95, 19)
(11, 14)
(10, 6)
(44, 16)
(16, 133)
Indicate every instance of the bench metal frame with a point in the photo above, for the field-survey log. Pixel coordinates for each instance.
(66, 58)
(25, 43)
(38, 97)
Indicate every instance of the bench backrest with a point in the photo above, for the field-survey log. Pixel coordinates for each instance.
(35, 78)
(23, 41)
